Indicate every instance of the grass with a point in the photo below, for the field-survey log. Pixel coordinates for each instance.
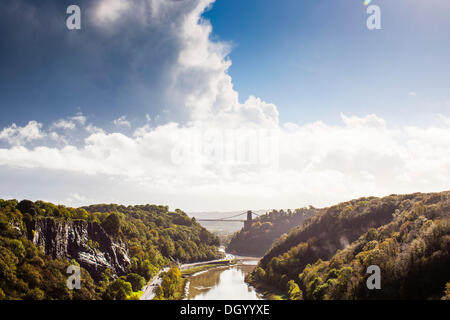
(194, 270)
(135, 295)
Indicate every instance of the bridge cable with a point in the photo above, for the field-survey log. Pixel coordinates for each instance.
(237, 215)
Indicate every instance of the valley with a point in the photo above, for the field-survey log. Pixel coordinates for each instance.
(149, 252)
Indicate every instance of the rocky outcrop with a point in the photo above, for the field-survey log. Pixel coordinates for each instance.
(86, 242)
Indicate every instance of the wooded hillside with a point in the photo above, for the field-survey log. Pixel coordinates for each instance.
(257, 240)
(407, 236)
(119, 248)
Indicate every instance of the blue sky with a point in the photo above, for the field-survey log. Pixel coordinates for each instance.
(153, 100)
(313, 59)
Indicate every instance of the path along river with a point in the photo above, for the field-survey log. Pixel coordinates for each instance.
(218, 283)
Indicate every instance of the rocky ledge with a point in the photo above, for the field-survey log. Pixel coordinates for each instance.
(86, 242)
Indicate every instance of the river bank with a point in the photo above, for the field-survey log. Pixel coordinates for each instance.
(215, 279)
(224, 281)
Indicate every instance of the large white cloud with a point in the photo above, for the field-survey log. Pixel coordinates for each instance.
(316, 163)
(198, 86)
(226, 155)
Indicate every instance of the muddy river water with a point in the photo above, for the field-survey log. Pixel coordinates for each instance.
(223, 283)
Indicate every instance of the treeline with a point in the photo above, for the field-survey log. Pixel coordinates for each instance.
(407, 236)
(153, 231)
(154, 237)
(258, 239)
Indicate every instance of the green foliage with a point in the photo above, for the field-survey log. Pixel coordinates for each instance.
(118, 290)
(170, 282)
(152, 234)
(137, 282)
(155, 235)
(259, 274)
(293, 291)
(171, 285)
(407, 236)
(135, 295)
(445, 297)
(25, 273)
(35, 294)
(112, 224)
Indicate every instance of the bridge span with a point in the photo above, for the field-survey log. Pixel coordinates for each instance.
(247, 223)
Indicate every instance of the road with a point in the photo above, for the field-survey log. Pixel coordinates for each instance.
(149, 289)
(156, 280)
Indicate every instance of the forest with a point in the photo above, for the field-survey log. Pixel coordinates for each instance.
(258, 239)
(407, 236)
(149, 237)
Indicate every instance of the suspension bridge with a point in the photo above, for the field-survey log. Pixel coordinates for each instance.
(247, 222)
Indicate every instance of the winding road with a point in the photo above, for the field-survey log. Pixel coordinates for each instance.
(149, 289)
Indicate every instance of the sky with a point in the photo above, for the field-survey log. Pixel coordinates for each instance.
(223, 105)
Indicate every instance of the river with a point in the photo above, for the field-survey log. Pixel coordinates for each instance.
(218, 283)
(223, 283)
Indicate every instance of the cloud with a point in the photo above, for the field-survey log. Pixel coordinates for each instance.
(79, 118)
(122, 121)
(201, 88)
(90, 128)
(77, 200)
(70, 123)
(444, 119)
(215, 151)
(368, 121)
(64, 124)
(139, 57)
(317, 164)
(109, 11)
(16, 135)
(412, 94)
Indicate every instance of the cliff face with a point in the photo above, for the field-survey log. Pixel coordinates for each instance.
(86, 242)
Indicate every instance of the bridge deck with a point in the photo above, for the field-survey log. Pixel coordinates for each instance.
(220, 220)
(226, 219)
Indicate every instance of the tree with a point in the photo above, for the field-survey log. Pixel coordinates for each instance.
(112, 224)
(152, 234)
(446, 292)
(137, 282)
(27, 206)
(35, 294)
(170, 282)
(260, 274)
(118, 290)
(159, 293)
(294, 292)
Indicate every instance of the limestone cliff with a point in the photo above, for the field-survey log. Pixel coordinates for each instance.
(86, 242)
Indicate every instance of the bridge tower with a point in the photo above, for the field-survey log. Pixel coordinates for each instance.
(249, 221)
